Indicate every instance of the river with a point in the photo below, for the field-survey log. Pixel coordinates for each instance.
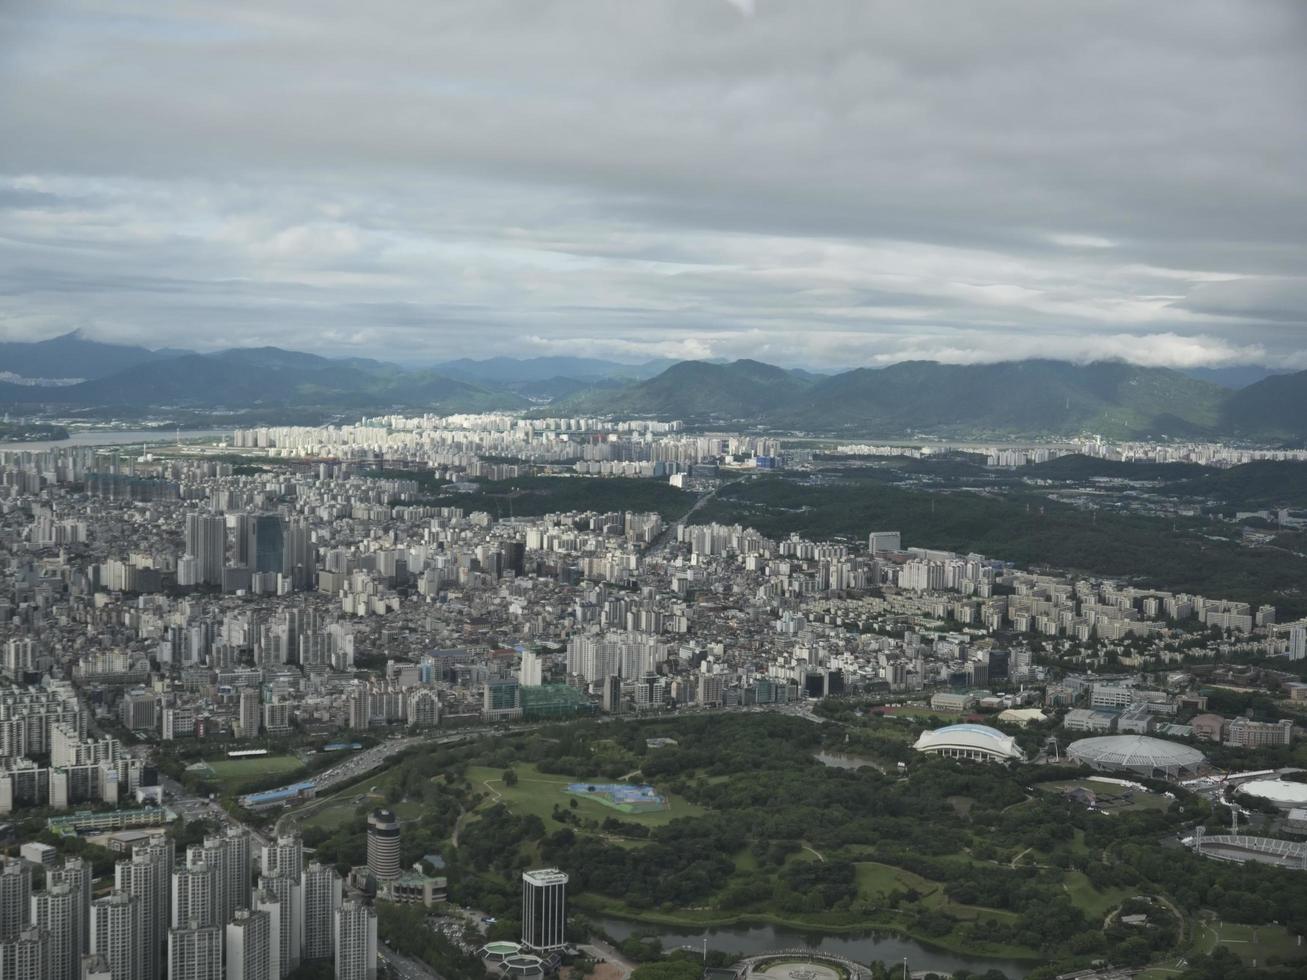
(112, 437)
(753, 939)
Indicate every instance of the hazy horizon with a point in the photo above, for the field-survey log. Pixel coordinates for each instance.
(849, 185)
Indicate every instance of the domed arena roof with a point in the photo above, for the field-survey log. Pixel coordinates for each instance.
(969, 742)
(1281, 792)
(1138, 753)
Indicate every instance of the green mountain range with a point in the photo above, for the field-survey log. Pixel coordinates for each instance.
(1014, 398)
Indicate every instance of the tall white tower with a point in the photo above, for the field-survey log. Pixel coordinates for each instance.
(544, 908)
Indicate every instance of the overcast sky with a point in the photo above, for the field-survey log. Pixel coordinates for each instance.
(808, 183)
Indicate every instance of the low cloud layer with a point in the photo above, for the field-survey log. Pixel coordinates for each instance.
(847, 183)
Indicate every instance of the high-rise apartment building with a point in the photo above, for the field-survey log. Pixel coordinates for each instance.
(146, 876)
(76, 873)
(248, 714)
(544, 908)
(206, 542)
(286, 890)
(25, 955)
(249, 946)
(356, 941)
(383, 844)
(117, 934)
(270, 904)
(195, 953)
(57, 910)
(238, 870)
(15, 897)
(195, 892)
(320, 887)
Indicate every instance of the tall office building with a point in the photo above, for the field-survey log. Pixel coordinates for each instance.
(320, 887)
(250, 946)
(117, 934)
(269, 543)
(145, 876)
(612, 694)
(15, 896)
(58, 911)
(299, 562)
(195, 889)
(243, 543)
(25, 955)
(76, 873)
(206, 542)
(383, 844)
(286, 890)
(544, 908)
(195, 953)
(356, 941)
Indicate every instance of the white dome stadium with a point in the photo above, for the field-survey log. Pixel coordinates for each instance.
(1151, 757)
(1281, 792)
(978, 742)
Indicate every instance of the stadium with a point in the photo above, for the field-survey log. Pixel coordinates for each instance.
(1153, 758)
(977, 742)
(1283, 793)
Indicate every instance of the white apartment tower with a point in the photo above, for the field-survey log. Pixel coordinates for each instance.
(356, 941)
(58, 911)
(250, 946)
(321, 890)
(118, 935)
(15, 897)
(195, 953)
(146, 876)
(286, 890)
(195, 893)
(278, 923)
(76, 873)
(24, 955)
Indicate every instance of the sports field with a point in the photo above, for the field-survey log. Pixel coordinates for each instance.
(235, 774)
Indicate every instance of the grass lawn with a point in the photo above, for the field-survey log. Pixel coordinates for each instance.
(234, 774)
(876, 881)
(537, 793)
(1250, 942)
(1095, 904)
(330, 817)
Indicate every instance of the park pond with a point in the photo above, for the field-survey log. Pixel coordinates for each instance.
(751, 940)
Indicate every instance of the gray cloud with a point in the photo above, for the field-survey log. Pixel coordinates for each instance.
(848, 183)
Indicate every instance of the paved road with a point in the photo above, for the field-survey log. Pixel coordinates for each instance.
(405, 967)
(669, 533)
(601, 950)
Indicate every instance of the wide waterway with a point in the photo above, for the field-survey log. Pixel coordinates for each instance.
(112, 437)
(750, 940)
